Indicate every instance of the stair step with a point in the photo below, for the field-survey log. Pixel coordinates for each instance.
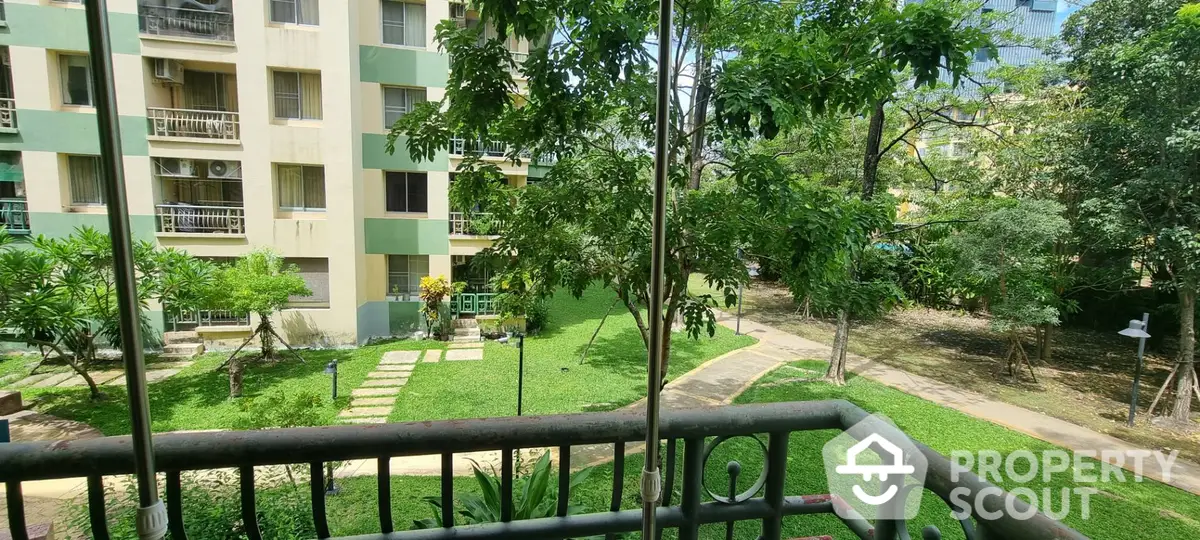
(466, 323)
(182, 350)
(181, 337)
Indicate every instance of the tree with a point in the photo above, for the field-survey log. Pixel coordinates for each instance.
(259, 282)
(434, 291)
(1139, 63)
(60, 294)
(1009, 252)
(755, 69)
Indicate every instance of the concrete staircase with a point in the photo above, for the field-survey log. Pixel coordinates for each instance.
(182, 345)
(466, 330)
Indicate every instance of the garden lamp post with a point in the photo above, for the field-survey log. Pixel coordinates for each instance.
(520, 367)
(331, 369)
(1137, 329)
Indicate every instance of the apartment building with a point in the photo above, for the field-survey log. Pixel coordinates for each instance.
(249, 123)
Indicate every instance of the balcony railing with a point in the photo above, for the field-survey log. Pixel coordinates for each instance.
(206, 317)
(14, 216)
(463, 147)
(701, 430)
(473, 304)
(478, 224)
(186, 218)
(8, 114)
(185, 22)
(191, 123)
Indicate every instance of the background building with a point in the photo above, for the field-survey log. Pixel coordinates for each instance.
(248, 123)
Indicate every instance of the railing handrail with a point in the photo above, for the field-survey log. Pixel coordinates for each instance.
(8, 103)
(197, 111)
(200, 206)
(174, 452)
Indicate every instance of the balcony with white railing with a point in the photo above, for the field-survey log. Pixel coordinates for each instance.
(14, 216)
(8, 115)
(193, 124)
(181, 218)
(194, 22)
(476, 147)
(477, 224)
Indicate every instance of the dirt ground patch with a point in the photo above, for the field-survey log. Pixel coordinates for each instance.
(1087, 382)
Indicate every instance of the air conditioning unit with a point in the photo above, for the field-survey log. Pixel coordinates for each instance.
(168, 71)
(458, 11)
(175, 167)
(224, 170)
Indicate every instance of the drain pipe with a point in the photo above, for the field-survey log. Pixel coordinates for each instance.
(151, 515)
(651, 485)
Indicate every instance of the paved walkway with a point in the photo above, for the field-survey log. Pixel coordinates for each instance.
(1184, 475)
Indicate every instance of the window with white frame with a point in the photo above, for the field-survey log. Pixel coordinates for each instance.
(75, 79)
(406, 192)
(295, 12)
(399, 101)
(404, 275)
(297, 95)
(403, 23)
(83, 172)
(301, 187)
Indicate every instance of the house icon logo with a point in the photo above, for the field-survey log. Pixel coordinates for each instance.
(882, 471)
(875, 471)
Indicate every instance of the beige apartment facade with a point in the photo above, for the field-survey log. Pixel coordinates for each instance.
(246, 124)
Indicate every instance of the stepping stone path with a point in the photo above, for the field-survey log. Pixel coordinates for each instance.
(465, 345)
(433, 355)
(464, 354)
(372, 401)
(155, 371)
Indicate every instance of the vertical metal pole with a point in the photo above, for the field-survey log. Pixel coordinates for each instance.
(152, 515)
(738, 330)
(651, 485)
(1137, 374)
(335, 370)
(520, 371)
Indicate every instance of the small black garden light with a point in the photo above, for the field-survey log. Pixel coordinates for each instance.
(331, 369)
(1137, 329)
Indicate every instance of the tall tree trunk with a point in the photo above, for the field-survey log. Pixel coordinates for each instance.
(836, 373)
(700, 116)
(871, 157)
(1046, 346)
(1182, 410)
(266, 336)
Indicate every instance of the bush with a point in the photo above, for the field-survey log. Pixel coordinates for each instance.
(536, 316)
(211, 508)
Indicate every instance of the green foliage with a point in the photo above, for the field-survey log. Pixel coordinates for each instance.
(259, 282)
(1008, 251)
(534, 496)
(211, 508)
(434, 292)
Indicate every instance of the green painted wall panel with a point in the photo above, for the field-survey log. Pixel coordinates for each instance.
(406, 236)
(404, 317)
(58, 225)
(409, 67)
(376, 157)
(72, 133)
(63, 28)
(373, 321)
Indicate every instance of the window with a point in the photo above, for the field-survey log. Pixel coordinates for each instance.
(407, 192)
(297, 95)
(399, 101)
(206, 91)
(981, 55)
(403, 23)
(1024, 3)
(76, 80)
(301, 187)
(295, 12)
(315, 273)
(405, 273)
(1044, 5)
(84, 175)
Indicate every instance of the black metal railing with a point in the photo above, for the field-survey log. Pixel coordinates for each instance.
(96, 458)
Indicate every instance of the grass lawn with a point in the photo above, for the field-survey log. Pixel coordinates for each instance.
(1087, 382)
(1122, 511)
(198, 397)
(614, 374)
